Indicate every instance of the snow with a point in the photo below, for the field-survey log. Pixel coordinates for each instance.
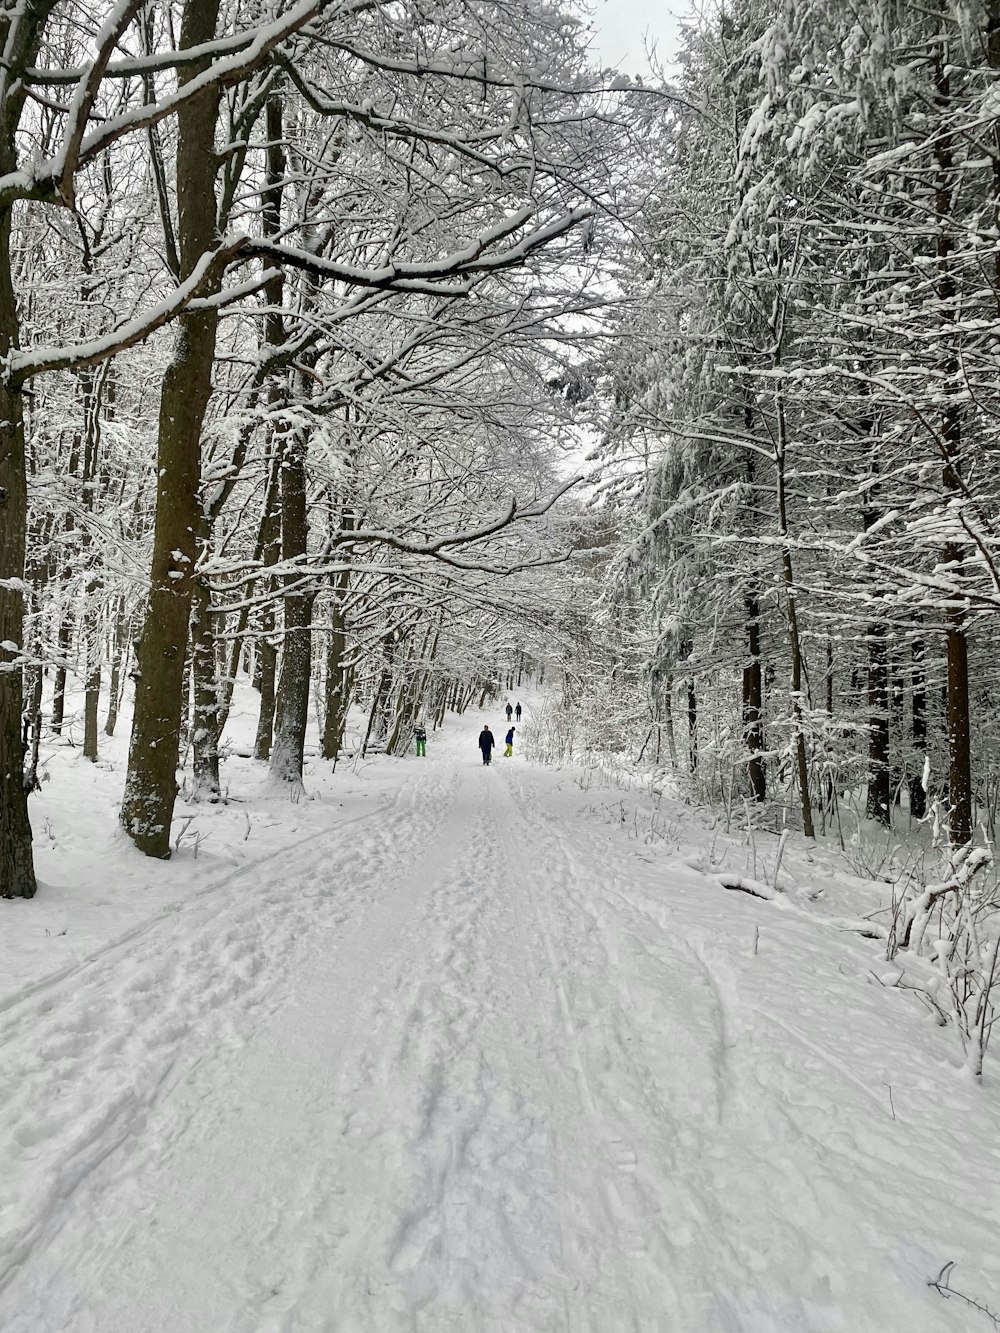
(449, 1047)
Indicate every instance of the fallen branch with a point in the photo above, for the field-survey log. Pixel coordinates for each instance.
(940, 1285)
(752, 886)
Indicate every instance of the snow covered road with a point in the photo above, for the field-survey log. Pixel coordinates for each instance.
(475, 1061)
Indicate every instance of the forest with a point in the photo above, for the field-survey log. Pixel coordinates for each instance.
(385, 354)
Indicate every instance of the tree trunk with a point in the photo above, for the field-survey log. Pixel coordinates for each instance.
(151, 784)
(338, 675)
(959, 731)
(267, 653)
(274, 335)
(17, 875)
(918, 714)
(65, 641)
(207, 728)
(292, 702)
(956, 645)
(267, 656)
(692, 711)
(879, 777)
(753, 699)
(380, 699)
(91, 385)
(119, 657)
(19, 35)
(791, 611)
(92, 685)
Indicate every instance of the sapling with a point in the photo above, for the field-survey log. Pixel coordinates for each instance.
(964, 951)
(777, 860)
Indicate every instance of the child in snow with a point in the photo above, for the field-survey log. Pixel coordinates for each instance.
(486, 743)
(509, 739)
(420, 736)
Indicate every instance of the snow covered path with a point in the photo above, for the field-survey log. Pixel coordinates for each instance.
(474, 1061)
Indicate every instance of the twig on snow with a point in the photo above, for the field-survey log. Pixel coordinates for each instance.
(940, 1285)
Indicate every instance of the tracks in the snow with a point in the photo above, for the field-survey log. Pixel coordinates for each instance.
(90, 1051)
(621, 1284)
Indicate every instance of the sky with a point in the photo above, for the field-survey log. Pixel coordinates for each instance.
(621, 25)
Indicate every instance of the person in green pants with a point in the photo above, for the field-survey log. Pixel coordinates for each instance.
(420, 736)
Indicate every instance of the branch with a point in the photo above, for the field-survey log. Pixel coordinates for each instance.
(24, 365)
(65, 163)
(43, 180)
(428, 277)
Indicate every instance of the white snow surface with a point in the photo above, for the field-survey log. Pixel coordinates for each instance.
(444, 1048)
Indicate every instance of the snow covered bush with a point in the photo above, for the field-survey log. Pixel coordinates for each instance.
(955, 923)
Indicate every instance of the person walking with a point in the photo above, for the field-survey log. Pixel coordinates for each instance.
(420, 736)
(509, 741)
(517, 712)
(486, 743)
(509, 711)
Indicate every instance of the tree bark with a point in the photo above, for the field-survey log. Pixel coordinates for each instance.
(267, 653)
(753, 698)
(692, 713)
(207, 728)
(17, 874)
(119, 656)
(338, 675)
(791, 610)
(20, 35)
(292, 701)
(956, 645)
(151, 785)
(92, 385)
(918, 716)
(879, 777)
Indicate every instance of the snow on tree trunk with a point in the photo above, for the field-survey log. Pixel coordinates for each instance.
(17, 875)
(151, 785)
(206, 729)
(292, 703)
(918, 725)
(956, 646)
(753, 699)
(879, 778)
(338, 675)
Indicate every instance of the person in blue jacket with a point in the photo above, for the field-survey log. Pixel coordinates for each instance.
(509, 742)
(486, 743)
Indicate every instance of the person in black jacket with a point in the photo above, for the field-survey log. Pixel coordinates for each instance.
(486, 743)
(517, 712)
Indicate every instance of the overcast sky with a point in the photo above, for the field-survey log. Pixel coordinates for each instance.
(619, 27)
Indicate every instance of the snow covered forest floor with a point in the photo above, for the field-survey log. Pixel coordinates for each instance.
(455, 1048)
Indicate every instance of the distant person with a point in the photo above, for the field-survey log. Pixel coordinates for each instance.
(517, 713)
(509, 739)
(509, 711)
(420, 736)
(486, 743)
